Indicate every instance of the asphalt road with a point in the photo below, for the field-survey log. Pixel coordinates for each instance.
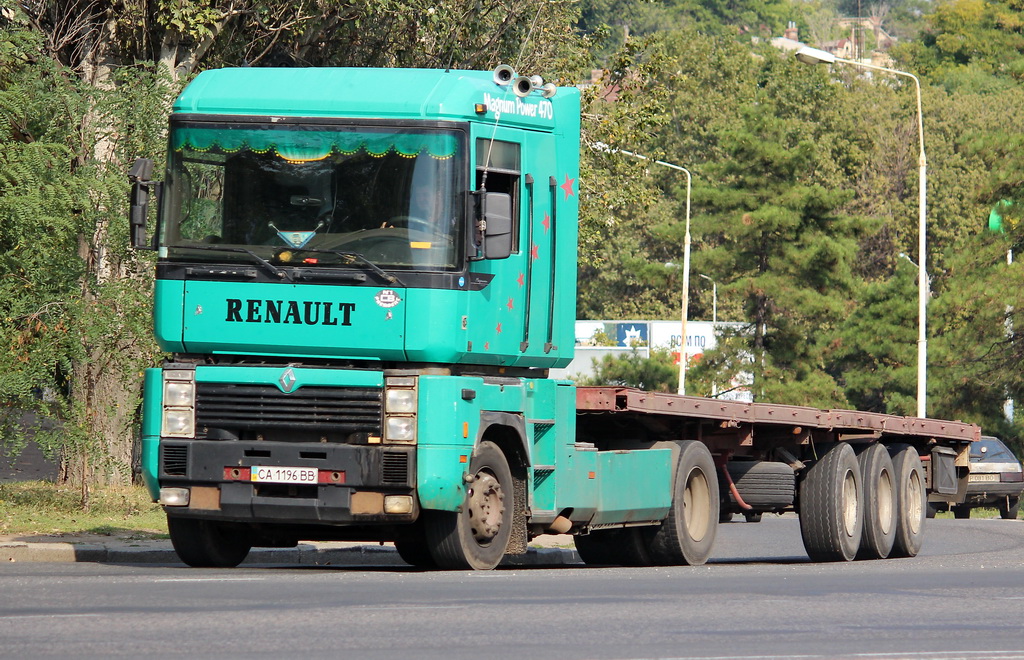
(759, 598)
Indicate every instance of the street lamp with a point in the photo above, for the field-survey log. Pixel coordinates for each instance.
(600, 146)
(714, 297)
(815, 56)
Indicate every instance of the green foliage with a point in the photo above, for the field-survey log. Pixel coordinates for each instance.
(657, 373)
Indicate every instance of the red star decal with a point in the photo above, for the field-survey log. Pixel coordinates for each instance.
(520, 280)
(510, 305)
(498, 328)
(487, 345)
(567, 186)
(547, 222)
(533, 251)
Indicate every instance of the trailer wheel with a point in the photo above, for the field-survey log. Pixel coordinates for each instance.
(687, 535)
(1009, 508)
(477, 536)
(831, 518)
(876, 478)
(207, 544)
(621, 547)
(911, 500)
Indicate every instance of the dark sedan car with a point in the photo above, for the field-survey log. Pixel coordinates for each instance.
(996, 479)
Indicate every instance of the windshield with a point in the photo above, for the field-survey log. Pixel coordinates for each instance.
(313, 195)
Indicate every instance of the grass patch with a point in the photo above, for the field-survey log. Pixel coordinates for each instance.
(43, 507)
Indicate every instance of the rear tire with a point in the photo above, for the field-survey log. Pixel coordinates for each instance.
(831, 506)
(878, 484)
(687, 535)
(477, 536)
(911, 500)
(1009, 508)
(620, 547)
(206, 543)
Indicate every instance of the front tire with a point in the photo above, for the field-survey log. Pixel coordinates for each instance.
(831, 510)
(876, 473)
(911, 500)
(477, 536)
(206, 543)
(687, 535)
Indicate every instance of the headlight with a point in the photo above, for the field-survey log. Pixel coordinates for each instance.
(180, 394)
(179, 423)
(401, 401)
(179, 403)
(400, 429)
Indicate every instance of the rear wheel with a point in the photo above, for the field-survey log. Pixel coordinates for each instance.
(624, 547)
(206, 543)
(911, 500)
(876, 476)
(478, 535)
(687, 535)
(961, 511)
(1009, 508)
(831, 516)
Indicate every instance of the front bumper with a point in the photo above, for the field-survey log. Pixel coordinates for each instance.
(217, 476)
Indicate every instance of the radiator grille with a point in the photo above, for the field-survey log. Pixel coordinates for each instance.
(264, 407)
(175, 459)
(395, 467)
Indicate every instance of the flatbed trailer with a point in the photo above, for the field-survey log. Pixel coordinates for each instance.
(778, 458)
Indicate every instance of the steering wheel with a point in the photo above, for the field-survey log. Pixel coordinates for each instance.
(412, 222)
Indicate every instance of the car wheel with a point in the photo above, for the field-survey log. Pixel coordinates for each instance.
(1009, 508)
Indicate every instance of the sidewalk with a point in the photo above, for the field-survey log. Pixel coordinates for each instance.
(546, 550)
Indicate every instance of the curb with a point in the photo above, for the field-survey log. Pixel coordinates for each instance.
(304, 554)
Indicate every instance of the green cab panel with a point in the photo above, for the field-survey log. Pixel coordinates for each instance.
(152, 406)
(293, 320)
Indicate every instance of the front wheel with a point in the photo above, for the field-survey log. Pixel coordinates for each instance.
(477, 536)
(206, 543)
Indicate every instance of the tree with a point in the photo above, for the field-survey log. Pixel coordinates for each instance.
(777, 239)
(657, 373)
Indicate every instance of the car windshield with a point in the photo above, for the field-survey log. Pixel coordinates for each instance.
(991, 450)
(309, 195)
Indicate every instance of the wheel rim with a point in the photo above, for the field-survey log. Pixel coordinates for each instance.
(885, 502)
(486, 507)
(850, 503)
(696, 505)
(915, 494)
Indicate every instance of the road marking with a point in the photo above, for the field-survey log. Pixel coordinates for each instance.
(210, 579)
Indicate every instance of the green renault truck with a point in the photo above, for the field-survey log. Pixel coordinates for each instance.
(363, 278)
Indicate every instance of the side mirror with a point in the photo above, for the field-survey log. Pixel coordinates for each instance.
(496, 212)
(139, 175)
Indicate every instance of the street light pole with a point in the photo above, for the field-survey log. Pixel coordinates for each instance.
(686, 252)
(810, 55)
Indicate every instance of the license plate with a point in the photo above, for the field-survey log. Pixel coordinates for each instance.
(984, 477)
(283, 475)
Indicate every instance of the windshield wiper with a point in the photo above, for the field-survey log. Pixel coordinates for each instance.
(271, 268)
(351, 257)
